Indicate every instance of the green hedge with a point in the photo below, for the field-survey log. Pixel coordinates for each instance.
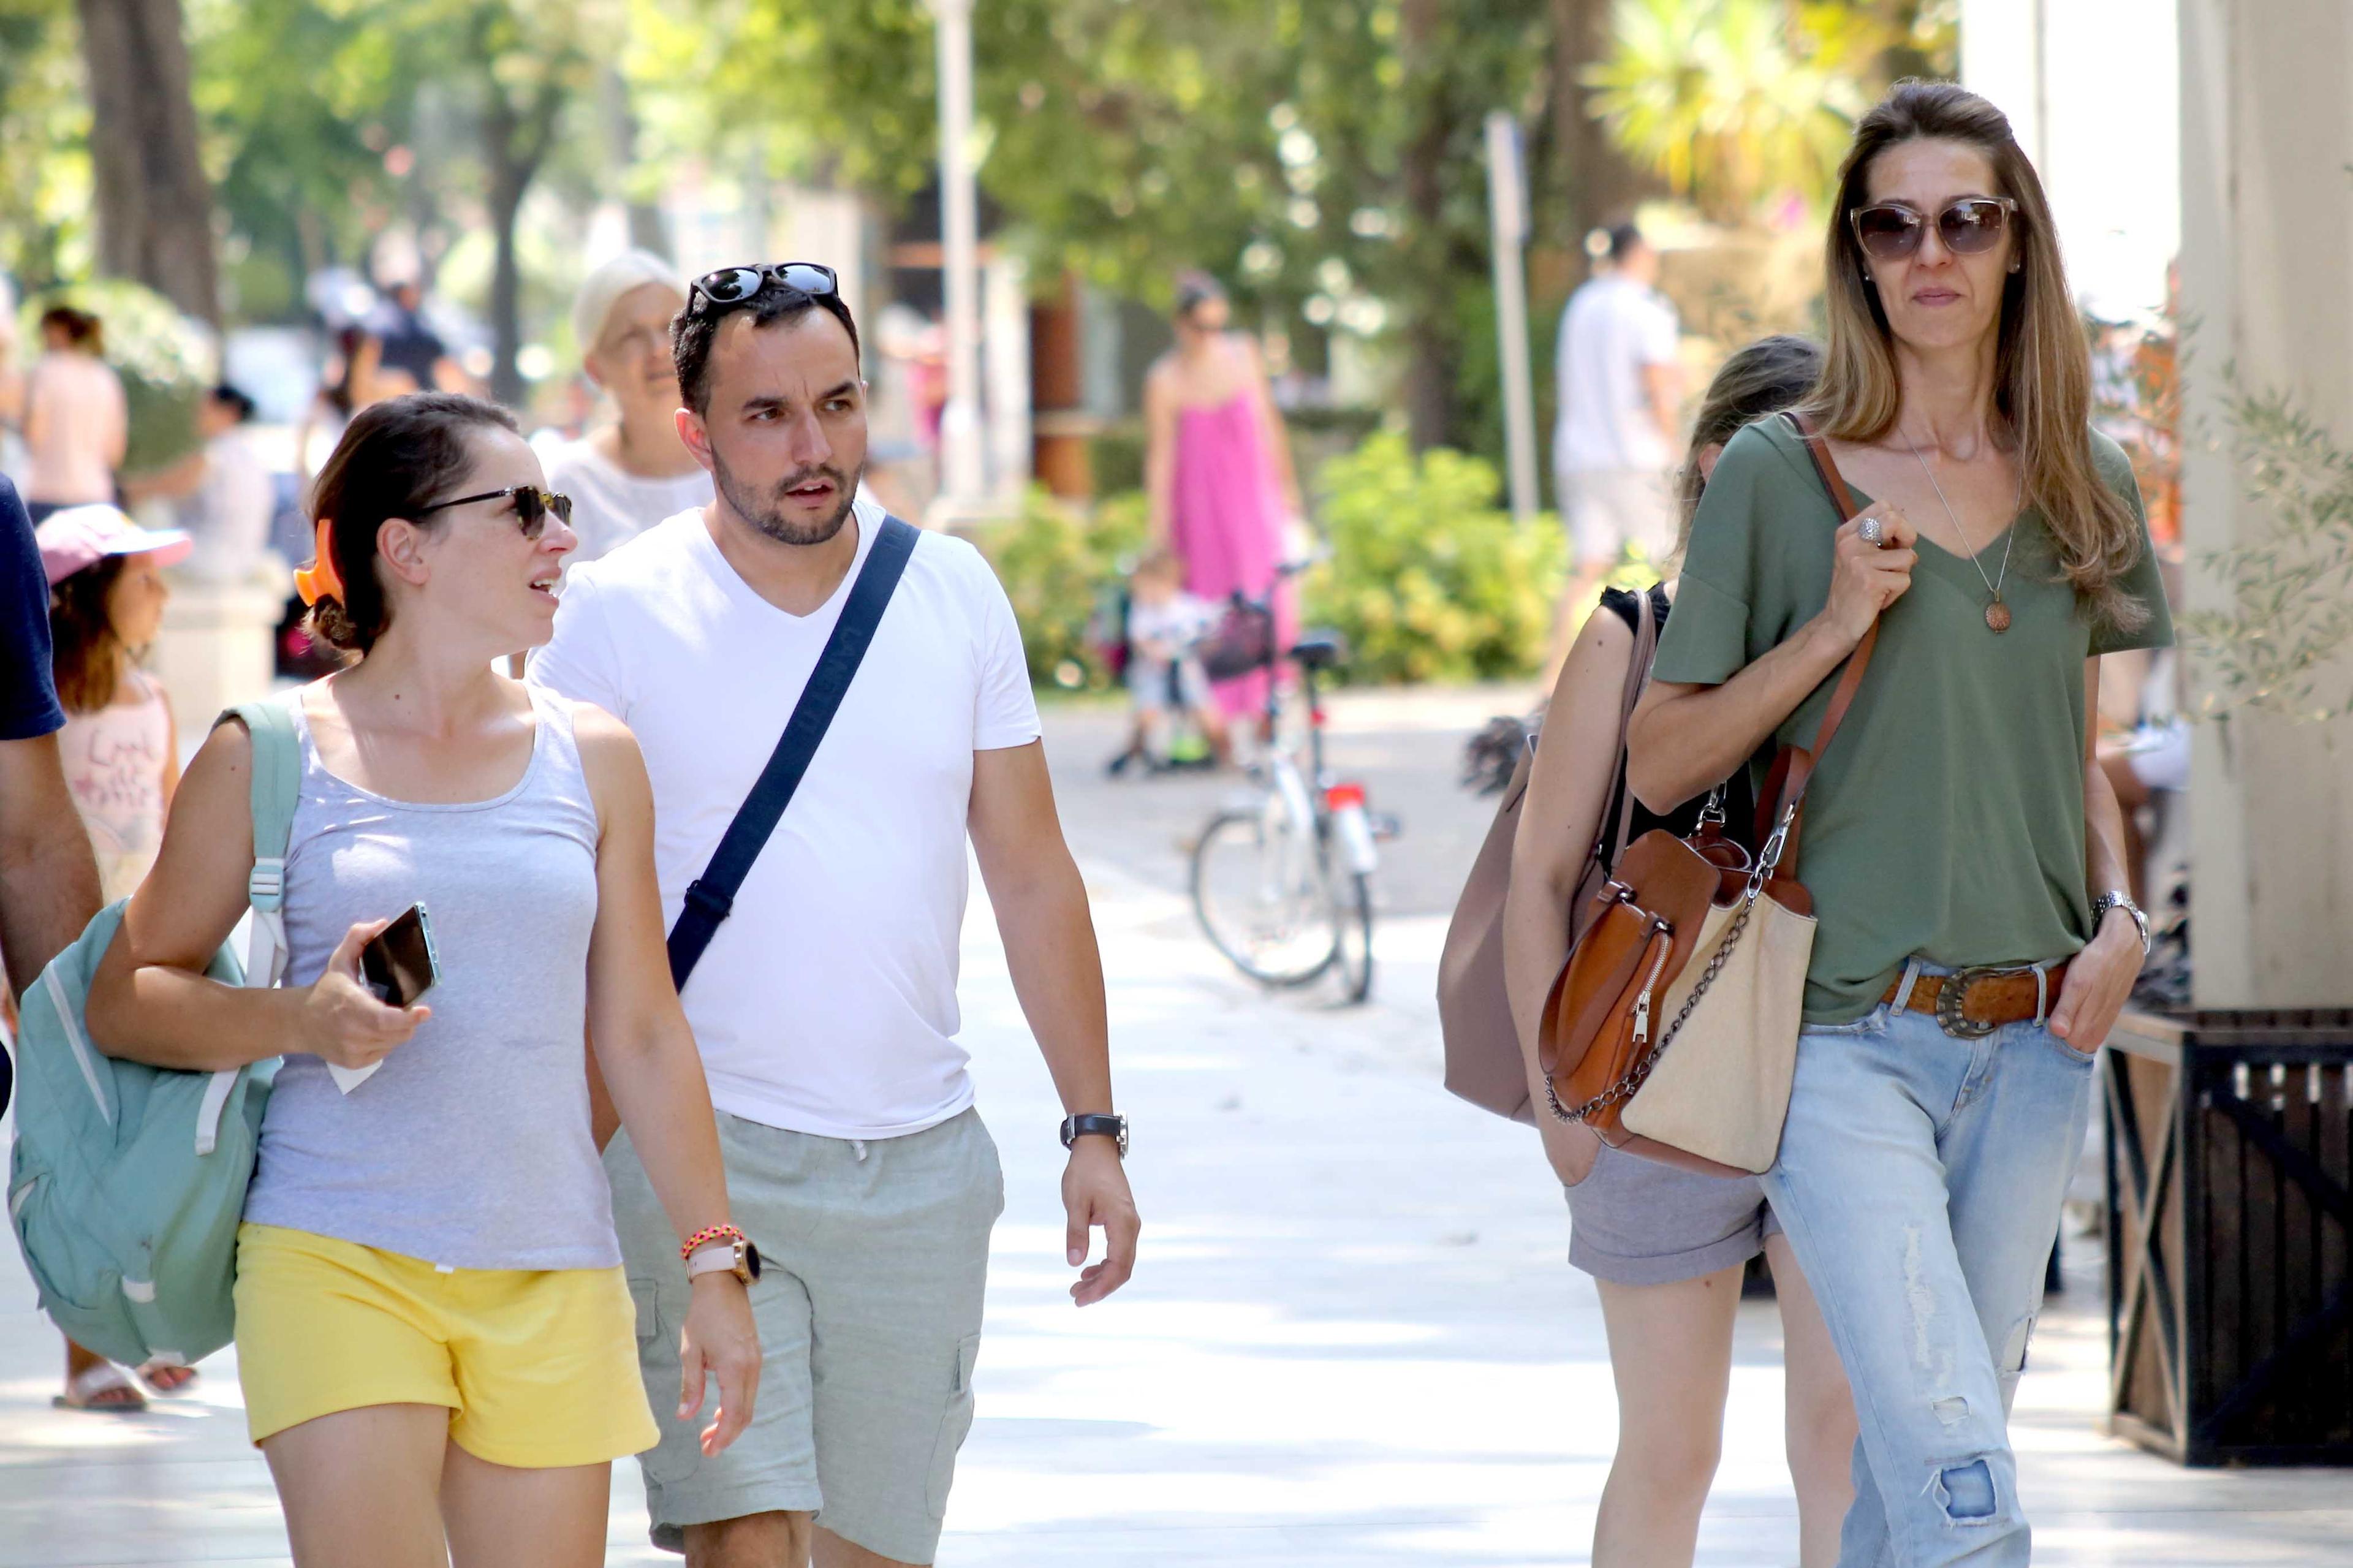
(1430, 578)
(1062, 569)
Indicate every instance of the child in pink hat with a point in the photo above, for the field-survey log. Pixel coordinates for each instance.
(121, 760)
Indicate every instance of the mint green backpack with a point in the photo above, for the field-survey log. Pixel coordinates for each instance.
(128, 1181)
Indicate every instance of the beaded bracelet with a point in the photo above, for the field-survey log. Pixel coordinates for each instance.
(709, 1233)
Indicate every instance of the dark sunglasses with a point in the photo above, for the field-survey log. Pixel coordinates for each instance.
(737, 285)
(1892, 231)
(532, 506)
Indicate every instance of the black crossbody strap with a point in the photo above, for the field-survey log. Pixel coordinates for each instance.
(711, 897)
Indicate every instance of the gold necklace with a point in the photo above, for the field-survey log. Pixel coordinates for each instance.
(1997, 613)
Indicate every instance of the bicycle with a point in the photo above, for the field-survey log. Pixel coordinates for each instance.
(1283, 882)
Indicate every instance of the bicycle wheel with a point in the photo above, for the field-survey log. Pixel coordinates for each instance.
(1352, 909)
(1258, 893)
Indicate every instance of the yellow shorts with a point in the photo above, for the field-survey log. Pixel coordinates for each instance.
(538, 1368)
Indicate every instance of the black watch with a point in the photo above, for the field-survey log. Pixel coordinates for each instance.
(1097, 1125)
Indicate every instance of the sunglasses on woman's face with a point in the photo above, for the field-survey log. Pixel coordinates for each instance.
(736, 285)
(532, 506)
(1891, 231)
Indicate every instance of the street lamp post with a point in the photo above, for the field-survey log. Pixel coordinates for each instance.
(963, 479)
(1507, 203)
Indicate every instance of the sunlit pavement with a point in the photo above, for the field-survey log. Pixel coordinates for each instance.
(1352, 1340)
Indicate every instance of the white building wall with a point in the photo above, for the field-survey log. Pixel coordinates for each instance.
(2092, 90)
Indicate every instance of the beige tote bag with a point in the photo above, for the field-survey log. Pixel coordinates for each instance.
(1719, 1086)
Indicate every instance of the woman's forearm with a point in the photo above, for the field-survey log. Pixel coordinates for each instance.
(172, 1017)
(1536, 938)
(659, 1088)
(1687, 740)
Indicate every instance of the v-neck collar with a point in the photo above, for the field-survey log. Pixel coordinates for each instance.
(715, 560)
(1991, 546)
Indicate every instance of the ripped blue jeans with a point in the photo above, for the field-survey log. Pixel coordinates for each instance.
(1920, 1181)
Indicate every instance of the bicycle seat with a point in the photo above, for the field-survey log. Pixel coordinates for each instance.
(1319, 650)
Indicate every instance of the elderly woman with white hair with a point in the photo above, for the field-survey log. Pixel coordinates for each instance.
(625, 477)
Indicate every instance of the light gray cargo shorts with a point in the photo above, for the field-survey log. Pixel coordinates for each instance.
(869, 1310)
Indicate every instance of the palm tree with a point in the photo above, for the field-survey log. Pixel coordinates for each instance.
(1733, 101)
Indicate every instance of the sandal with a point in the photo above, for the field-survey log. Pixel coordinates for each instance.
(168, 1378)
(87, 1389)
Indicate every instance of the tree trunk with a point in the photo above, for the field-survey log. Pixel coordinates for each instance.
(647, 230)
(1430, 333)
(154, 204)
(513, 144)
(1597, 186)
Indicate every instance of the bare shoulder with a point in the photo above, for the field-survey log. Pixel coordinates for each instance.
(1596, 665)
(227, 754)
(604, 741)
(213, 798)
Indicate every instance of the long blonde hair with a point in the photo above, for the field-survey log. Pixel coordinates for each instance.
(2043, 366)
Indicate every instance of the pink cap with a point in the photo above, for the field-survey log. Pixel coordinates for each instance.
(82, 536)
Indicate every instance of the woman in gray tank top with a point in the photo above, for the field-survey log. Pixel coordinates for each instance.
(438, 1347)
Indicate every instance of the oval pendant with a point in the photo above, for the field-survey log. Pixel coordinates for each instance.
(1998, 615)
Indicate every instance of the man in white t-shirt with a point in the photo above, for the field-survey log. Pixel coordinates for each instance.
(1618, 387)
(825, 1005)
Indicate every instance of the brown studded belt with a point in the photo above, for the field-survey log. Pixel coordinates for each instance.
(1970, 1003)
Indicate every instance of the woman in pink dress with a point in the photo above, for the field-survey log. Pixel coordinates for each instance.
(1216, 467)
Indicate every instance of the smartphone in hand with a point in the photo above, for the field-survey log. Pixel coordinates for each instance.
(400, 964)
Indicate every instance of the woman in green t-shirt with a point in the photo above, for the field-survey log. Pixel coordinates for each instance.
(1963, 851)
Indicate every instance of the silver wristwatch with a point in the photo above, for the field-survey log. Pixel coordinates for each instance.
(2115, 900)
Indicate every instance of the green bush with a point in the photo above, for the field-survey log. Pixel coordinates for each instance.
(1062, 570)
(1115, 457)
(165, 360)
(1430, 578)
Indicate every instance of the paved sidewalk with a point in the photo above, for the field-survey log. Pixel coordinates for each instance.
(1353, 1341)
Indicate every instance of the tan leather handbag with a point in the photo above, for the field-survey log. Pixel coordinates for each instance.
(1483, 1064)
(1694, 952)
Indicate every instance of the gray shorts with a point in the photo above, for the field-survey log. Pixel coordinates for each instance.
(1608, 509)
(1637, 1222)
(868, 1311)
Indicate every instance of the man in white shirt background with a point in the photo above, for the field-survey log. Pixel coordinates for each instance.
(824, 1005)
(1619, 389)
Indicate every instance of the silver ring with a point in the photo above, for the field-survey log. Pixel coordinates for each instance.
(1873, 532)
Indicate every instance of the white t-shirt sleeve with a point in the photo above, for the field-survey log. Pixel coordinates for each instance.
(578, 660)
(1005, 710)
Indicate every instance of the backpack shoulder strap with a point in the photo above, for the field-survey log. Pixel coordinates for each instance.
(277, 785)
(711, 897)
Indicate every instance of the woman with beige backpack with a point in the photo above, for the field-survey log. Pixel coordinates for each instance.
(1972, 943)
(1666, 1246)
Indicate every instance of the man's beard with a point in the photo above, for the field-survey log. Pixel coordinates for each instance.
(761, 512)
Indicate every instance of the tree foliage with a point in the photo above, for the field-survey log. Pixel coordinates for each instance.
(44, 144)
(1737, 101)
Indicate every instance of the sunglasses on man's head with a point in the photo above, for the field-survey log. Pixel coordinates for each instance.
(532, 506)
(1891, 231)
(739, 285)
